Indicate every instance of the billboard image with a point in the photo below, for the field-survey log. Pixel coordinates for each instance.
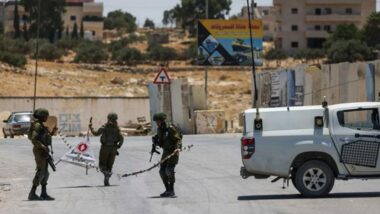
(227, 42)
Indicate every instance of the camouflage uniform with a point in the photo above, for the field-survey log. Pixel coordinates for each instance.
(41, 139)
(111, 140)
(169, 140)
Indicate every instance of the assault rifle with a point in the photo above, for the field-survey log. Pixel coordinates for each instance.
(154, 146)
(50, 161)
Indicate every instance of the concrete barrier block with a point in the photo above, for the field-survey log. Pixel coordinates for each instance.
(209, 122)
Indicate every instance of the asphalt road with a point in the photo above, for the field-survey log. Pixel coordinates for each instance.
(208, 181)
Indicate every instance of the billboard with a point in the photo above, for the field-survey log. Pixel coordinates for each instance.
(227, 42)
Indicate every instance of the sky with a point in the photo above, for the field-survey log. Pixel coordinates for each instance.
(153, 9)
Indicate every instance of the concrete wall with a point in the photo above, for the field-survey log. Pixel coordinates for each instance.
(74, 113)
(339, 83)
(209, 121)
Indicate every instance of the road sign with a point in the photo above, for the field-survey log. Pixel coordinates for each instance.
(162, 77)
(80, 155)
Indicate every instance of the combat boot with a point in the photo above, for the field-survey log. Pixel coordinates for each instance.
(107, 178)
(165, 194)
(44, 195)
(32, 194)
(171, 192)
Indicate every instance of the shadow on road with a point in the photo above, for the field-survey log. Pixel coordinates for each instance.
(85, 186)
(297, 196)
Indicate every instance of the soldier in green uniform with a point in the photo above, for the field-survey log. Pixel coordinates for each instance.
(41, 139)
(170, 140)
(111, 140)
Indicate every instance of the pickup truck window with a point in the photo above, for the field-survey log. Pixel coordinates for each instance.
(360, 119)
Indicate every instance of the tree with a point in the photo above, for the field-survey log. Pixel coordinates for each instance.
(51, 17)
(149, 23)
(122, 22)
(343, 32)
(371, 30)
(16, 21)
(349, 51)
(74, 34)
(188, 12)
(67, 31)
(25, 32)
(81, 30)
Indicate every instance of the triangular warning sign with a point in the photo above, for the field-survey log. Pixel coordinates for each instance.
(81, 155)
(162, 77)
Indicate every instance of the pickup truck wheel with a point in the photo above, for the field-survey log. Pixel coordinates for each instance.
(314, 179)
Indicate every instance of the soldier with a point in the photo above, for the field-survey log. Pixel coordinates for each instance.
(169, 139)
(111, 140)
(41, 139)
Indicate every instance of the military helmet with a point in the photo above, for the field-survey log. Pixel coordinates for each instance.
(112, 116)
(159, 116)
(41, 113)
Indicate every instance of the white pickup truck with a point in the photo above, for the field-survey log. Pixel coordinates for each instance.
(312, 145)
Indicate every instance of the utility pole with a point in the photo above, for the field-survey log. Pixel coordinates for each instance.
(206, 67)
(37, 50)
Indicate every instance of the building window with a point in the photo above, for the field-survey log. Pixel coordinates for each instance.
(294, 27)
(318, 11)
(265, 12)
(265, 27)
(327, 28)
(73, 18)
(328, 11)
(317, 27)
(294, 10)
(294, 44)
(93, 33)
(349, 11)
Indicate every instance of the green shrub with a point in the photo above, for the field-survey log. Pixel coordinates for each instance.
(349, 51)
(68, 44)
(15, 46)
(160, 53)
(15, 59)
(118, 45)
(91, 52)
(127, 55)
(50, 52)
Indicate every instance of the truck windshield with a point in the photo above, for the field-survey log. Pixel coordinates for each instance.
(360, 119)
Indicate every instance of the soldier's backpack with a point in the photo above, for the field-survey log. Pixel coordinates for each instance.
(178, 129)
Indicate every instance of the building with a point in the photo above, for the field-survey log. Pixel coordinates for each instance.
(87, 11)
(300, 24)
(307, 23)
(268, 15)
(7, 16)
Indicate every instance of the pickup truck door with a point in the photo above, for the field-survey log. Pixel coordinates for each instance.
(356, 133)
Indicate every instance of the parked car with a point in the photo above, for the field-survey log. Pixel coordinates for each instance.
(312, 145)
(18, 123)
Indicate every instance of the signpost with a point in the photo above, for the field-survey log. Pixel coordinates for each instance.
(162, 78)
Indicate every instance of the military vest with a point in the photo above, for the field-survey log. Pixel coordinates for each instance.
(43, 133)
(110, 135)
